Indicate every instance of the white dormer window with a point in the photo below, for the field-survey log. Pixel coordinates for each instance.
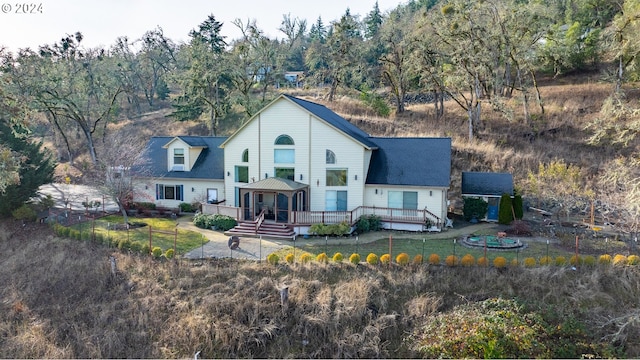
(178, 159)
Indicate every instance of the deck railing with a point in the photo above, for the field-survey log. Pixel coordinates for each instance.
(335, 217)
(211, 209)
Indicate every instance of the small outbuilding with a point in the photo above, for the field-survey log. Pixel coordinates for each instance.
(489, 187)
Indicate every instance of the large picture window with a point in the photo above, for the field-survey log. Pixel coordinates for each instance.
(286, 173)
(336, 177)
(284, 156)
(403, 200)
(242, 174)
(169, 192)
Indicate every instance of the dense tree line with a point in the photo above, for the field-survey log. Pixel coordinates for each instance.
(476, 53)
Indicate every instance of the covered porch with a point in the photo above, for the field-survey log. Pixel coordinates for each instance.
(273, 199)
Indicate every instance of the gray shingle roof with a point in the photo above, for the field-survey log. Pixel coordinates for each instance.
(411, 161)
(486, 183)
(209, 165)
(334, 120)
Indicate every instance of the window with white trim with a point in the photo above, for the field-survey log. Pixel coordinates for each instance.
(169, 192)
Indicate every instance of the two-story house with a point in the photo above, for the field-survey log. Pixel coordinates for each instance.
(298, 163)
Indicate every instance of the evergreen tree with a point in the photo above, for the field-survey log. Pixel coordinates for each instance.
(36, 168)
(372, 22)
(505, 211)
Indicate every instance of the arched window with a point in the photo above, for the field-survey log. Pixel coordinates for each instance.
(245, 155)
(331, 157)
(284, 140)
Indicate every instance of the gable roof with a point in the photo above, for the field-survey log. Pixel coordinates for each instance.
(209, 165)
(334, 120)
(487, 183)
(324, 114)
(192, 141)
(274, 183)
(411, 161)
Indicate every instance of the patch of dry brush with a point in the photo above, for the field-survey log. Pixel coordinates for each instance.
(61, 301)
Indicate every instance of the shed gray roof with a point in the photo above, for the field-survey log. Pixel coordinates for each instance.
(209, 165)
(487, 183)
(334, 120)
(411, 161)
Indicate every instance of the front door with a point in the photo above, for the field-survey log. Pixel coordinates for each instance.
(492, 209)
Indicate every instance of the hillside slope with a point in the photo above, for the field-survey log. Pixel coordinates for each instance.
(59, 300)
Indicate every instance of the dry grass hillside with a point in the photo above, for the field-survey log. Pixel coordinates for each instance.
(60, 300)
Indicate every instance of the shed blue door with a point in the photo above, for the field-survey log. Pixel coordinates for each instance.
(492, 209)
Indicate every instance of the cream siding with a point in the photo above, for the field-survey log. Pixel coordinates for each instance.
(194, 190)
(178, 144)
(433, 199)
(312, 137)
(194, 152)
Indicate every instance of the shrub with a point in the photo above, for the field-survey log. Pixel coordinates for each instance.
(545, 260)
(372, 259)
(146, 249)
(156, 252)
(337, 257)
(518, 209)
(306, 258)
(619, 260)
(224, 222)
(203, 221)
(505, 214)
(24, 212)
(289, 258)
(474, 207)
(418, 260)
(500, 262)
(633, 260)
(529, 262)
(451, 260)
(322, 258)
(145, 206)
(273, 259)
(483, 261)
(385, 259)
(124, 244)
(514, 262)
(368, 223)
(604, 259)
(434, 259)
(589, 260)
(136, 246)
(340, 229)
(520, 227)
(186, 207)
(576, 260)
(354, 259)
(402, 259)
(561, 261)
(467, 260)
(169, 253)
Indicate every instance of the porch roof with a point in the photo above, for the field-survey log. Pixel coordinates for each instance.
(275, 184)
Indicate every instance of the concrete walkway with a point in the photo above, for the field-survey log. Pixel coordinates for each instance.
(252, 248)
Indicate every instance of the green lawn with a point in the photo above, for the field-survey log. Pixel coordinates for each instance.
(442, 247)
(187, 240)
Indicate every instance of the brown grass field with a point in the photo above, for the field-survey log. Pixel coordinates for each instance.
(58, 298)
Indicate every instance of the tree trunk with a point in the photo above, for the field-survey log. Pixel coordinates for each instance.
(538, 96)
(123, 211)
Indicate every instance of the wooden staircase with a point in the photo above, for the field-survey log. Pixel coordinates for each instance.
(272, 230)
(261, 228)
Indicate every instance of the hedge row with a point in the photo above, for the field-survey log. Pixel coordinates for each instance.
(467, 260)
(123, 244)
